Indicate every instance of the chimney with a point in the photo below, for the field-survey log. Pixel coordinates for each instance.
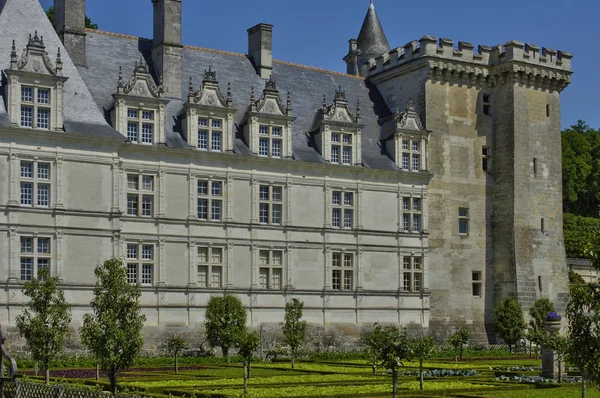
(167, 51)
(69, 22)
(260, 49)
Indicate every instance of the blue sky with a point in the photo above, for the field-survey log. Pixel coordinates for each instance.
(316, 32)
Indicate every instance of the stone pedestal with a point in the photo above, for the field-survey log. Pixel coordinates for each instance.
(552, 368)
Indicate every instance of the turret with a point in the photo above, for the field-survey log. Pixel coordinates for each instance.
(371, 43)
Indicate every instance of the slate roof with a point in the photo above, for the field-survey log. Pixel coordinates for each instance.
(371, 39)
(89, 90)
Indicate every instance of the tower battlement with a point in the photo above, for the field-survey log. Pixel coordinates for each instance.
(545, 62)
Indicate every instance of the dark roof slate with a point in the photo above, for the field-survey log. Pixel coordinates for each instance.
(371, 39)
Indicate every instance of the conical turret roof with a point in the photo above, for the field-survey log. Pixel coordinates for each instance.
(371, 39)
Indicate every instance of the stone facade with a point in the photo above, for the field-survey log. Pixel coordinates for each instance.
(421, 192)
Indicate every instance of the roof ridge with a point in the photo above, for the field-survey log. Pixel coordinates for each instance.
(235, 54)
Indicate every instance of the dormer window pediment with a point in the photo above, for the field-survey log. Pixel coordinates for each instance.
(268, 130)
(139, 112)
(35, 87)
(338, 131)
(408, 142)
(209, 116)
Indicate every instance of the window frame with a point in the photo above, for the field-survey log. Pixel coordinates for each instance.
(415, 273)
(270, 267)
(337, 140)
(212, 131)
(343, 276)
(341, 208)
(140, 264)
(140, 195)
(411, 159)
(270, 204)
(269, 137)
(477, 283)
(139, 121)
(412, 215)
(210, 265)
(35, 181)
(35, 255)
(464, 220)
(210, 198)
(35, 105)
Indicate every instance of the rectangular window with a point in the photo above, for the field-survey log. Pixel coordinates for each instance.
(270, 271)
(405, 161)
(271, 144)
(210, 205)
(132, 113)
(416, 223)
(411, 154)
(405, 145)
(35, 255)
(406, 222)
(270, 209)
(411, 214)
(210, 266)
(203, 139)
(147, 133)
(416, 162)
(263, 147)
(341, 145)
(26, 94)
(43, 118)
(216, 141)
(413, 273)
(342, 212)
(477, 283)
(148, 115)
(140, 263)
(26, 116)
(34, 185)
(487, 104)
(276, 148)
(140, 195)
(43, 96)
(342, 276)
(463, 221)
(132, 132)
(485, 159)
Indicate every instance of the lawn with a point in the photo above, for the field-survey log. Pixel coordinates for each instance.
(351, 378)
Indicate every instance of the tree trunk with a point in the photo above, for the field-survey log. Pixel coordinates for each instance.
(47, 373)
(394, 383)
(97, 371)
(374, 367)
(510, 348)
(293, 358)
(249, 368)
(583, 392)
(36, 369)
(226, 353)
(176, 367)
(420, 374)
(461, 351)
(245, 379)
(112, 376)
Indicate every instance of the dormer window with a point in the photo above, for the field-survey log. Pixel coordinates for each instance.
(35, 88)
(406, 140)
(209, 116)
(139, 112)
(338, 131)
(268, 130)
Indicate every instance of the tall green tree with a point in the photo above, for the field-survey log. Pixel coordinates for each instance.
(395, 349)
(538, 312)
(45, 320)
(508, 322)
(88, 21)
(374, 340)
(247, 345)
(175, 345)
(459, 339)
(112, 332)
(294, 328)
(422, 348)
(225, 322)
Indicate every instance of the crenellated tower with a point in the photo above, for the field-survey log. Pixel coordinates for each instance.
(495, 153)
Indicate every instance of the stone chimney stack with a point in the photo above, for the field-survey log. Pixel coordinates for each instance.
(69, 22)
(260, 49)
(167, 51)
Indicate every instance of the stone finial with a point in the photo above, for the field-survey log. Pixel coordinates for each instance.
(120, 82)
(252, 100)
(160, 86)
(270, 85)
(358, 108)
(340, 94)
(288, 108)
(229, 96)
(210, 76)
(191, 86)
(59, 63)
(14, 59)
(324, 101)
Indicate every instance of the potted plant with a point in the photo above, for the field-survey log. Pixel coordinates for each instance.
(553, 322)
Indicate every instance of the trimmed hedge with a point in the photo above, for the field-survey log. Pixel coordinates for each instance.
(579, 233)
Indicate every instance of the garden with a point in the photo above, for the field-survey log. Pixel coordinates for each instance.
(499, 374)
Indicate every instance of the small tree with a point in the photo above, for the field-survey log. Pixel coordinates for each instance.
(583, 311)
(538, 311)
(225, 322)
(374, 340)
(422, 349)
(112, 332)
(247, 345)
(294, 330)
(508, 322)
(459, 339)
(394, 350)
(45, 319)
(175, 345)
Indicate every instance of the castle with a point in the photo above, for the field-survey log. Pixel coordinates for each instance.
(420, 188)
